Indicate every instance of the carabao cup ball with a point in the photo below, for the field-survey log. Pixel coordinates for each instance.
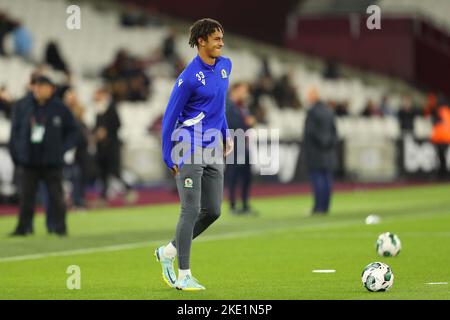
(388, 245)
(377, 277)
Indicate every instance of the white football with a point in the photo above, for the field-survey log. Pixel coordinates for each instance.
(388, 245)
(377, 276)
(373, 219)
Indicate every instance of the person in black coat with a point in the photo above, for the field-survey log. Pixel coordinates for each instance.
(54, 58)
(42, 130)
(106, 133)
(320, 142)
(239, 171)
(6, 26)
(80, 169)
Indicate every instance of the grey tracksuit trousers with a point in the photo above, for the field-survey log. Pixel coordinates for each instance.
(200, 187)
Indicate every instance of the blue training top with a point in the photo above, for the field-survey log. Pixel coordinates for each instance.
(198, 98)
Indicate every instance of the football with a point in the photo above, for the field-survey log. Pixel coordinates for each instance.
(377, 277)
(373, 219)
(388, 245)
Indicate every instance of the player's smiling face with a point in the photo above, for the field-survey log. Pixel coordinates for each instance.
(213, 46)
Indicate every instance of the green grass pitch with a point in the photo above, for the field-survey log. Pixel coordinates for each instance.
(266, 257)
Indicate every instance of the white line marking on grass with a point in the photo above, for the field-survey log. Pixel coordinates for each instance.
(324, 271)
(136, 245)
(77, 251)
(230, 235)
(436, 283)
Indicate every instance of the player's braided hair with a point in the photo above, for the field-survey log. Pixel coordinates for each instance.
(202, 28)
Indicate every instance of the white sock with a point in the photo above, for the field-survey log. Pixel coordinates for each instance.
(170, 251)
(183, 273)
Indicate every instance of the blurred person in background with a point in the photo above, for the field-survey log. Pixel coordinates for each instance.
(406, 115)
(28, 95)
(42, 130)
(320, 145)
(134, 16)
(331, 70)
(42, 195)
(118, 67)
(6, 26)
(54, 58)
(170, 54)
(265, 70)
(238, 117)
(61, 80)
(6, 102)
(78, 171)
(123, 66)
(23, 41)
(385, 107)
(371, 110)
(169, 49)
(438, 108)
(340, 108)
(263, 87)
(138, 87)
(127, 77)
(106, 134)
(285, 93)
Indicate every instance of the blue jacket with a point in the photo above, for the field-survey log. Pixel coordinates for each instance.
(61, 132)
(198, 97)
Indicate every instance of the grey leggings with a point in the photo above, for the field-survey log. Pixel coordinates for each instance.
(200, 187)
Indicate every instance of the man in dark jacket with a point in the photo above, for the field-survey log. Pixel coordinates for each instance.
(42, 130)
(238, 117)
(320, 141)
(108, 143)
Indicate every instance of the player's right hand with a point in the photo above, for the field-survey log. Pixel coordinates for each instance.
(229, 146)
(175, 170)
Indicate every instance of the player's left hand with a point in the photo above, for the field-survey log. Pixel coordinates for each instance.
(229, 146)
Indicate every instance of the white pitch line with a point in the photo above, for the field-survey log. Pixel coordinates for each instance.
(436, 283)
(136, 245)
(324, 271)
(230, 235)
(77, 251)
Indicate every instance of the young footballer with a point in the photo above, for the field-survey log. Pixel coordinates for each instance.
(196, 112)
